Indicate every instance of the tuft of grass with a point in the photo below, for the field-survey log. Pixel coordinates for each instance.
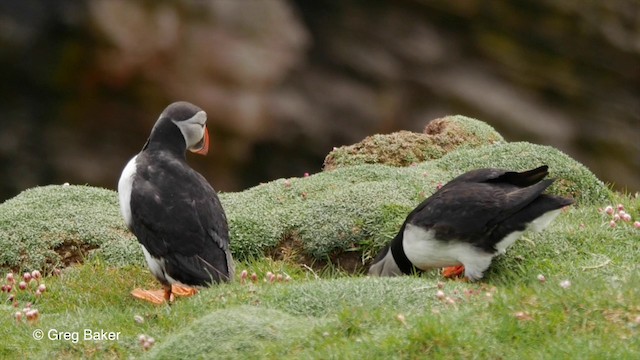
(404, 148)
(239, 332)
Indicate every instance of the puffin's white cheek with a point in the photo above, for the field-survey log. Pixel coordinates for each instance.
(192, 134)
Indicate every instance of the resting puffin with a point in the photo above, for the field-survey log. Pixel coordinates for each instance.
(471, 219)
(172, 210)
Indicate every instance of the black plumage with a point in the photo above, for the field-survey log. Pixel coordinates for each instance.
(468, 219)
(172, 209)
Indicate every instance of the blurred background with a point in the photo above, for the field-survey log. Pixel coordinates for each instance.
(284, 81)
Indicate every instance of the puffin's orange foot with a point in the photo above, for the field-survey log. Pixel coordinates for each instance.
(453, 271)
(163, 295)
(152, 296)
(182, 290)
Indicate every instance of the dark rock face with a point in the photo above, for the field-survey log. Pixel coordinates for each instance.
(283, 82)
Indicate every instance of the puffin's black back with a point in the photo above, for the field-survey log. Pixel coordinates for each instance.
(177, 215)
(483, 206)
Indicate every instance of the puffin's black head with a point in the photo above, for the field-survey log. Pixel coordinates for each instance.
(190, 120)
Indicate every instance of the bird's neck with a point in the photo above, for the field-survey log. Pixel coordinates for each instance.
(397, 251)
(166, 137)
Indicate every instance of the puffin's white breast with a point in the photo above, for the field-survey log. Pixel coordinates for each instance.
(425, 251)
(125, 186)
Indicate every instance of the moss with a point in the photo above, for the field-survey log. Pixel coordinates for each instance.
(234, 333)
(54, 225)
(404, 148)
(326, 213)
(325, 297)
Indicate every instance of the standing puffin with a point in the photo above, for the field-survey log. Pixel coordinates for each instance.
(471, 219)
(172, 210)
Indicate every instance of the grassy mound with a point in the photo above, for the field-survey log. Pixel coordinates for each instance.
(357, 209)
(56, 225)
(404, 148)
(236, 333)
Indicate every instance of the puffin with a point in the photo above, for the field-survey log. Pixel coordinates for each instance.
(173, 211)
(470, 220)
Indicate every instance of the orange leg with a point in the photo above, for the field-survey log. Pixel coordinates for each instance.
(164, 295)
(453, 271)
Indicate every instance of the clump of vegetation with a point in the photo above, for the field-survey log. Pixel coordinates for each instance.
(55, 226)
(404, 148)
(243, 329)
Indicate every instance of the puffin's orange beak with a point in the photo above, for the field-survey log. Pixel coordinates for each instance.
(205, 144)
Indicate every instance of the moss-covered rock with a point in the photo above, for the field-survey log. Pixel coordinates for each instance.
(56, 225)
(343, 216)
(404, 148)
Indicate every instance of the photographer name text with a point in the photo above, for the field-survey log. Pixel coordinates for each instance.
(76, 336)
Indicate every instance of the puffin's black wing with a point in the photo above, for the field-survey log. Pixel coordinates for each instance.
(178, 218)
(471, 207)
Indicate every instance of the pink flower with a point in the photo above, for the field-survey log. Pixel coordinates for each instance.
(22, 285)
(609, 210)
(36, 274)
(524, 316)
(620, 207)
(541, 278)
(42, 288)
(27, 276)
(612, 223)
(636, 224)
(440, 294)
(32, 315)
(626, 217)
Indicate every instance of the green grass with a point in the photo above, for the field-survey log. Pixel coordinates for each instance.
(341, 316)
